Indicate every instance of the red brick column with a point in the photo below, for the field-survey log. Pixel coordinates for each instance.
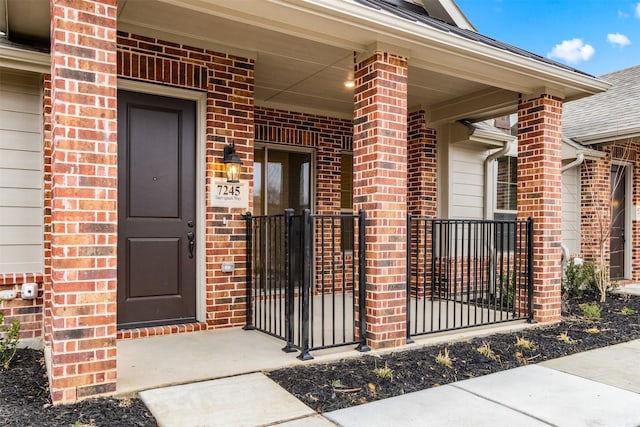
(540, 196)
(380, 187)
(422, 167)
(595, 210)
(635, 223)
(84, 199)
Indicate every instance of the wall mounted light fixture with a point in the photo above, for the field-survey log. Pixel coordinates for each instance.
(232, 163)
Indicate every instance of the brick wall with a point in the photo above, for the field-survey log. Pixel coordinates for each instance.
(380, 187)
(596, 195)
(27, 311)
(422, 169)
(329, 136)
(540, 196)
(84, 198)
(228, 82)
(595, 199)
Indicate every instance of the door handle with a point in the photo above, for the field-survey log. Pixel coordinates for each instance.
(192, 242)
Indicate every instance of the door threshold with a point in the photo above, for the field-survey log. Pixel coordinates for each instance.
(152, 331)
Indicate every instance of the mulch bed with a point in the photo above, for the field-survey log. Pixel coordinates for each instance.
(350, 382)
(25, 401)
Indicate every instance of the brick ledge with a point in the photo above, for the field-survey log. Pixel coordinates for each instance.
(126, 334)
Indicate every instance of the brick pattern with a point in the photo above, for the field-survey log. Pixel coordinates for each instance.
(422, 167)
(161, 330)
(540, 196)
(27, 312)
(329, 136)
(228, 81)
(635, 224)
(84, 198)
(380, 187)
(595, 212)
(596, 196)
(46, 153)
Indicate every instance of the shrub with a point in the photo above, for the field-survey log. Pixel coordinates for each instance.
(591, 311)
(507, 290)
(580, 278)
(9, 336)
(626, 311)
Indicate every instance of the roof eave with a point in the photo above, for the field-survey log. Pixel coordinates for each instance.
(525, 75)
(609, 136)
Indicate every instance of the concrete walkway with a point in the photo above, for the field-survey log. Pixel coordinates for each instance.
(597, 388)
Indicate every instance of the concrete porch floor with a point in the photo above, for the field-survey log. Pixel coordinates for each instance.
(148, 363)
(160, 361)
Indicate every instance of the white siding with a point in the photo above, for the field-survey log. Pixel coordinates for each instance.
(21, 193)
(466, 184)
(571, 209)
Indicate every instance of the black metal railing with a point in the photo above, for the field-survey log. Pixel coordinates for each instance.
(465, 273)
(306, 279)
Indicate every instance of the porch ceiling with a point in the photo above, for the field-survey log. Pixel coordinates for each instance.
(304, 52)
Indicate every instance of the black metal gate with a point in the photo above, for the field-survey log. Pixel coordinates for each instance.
(305, 276)
(465, 273)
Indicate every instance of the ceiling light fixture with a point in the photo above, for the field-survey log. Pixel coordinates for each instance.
(350, 84)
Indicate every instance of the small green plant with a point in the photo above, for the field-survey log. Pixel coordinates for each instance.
(564, 337)
(591, 311)
(592, 331)
(336, 383)
(524, 344)
(485, 350)
(9, 336)
(385, 372)
(507, 290)
(443, 358)
(580, 278)
(626, 311)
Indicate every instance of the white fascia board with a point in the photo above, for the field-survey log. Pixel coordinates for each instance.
(609, 136)
(25, 60)
(457, 14)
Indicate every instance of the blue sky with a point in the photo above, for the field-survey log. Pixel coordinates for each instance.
(595, 36)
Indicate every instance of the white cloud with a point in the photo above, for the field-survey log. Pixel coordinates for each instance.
(572, 51)
(622, 14)
(618, 39)
(637, 10)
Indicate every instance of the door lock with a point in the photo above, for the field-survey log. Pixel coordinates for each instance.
(192, 242)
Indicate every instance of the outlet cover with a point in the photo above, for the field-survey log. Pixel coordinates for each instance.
(8, 295)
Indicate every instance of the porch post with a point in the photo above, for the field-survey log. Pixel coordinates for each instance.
(380, 187)
(84, 199)
(540, 196)
(422, 167)
(595, 212)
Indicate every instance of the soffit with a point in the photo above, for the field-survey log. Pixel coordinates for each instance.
(291, 69)
(304, 52)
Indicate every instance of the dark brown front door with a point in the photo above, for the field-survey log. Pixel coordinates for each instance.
(618, 220)
(156, 210)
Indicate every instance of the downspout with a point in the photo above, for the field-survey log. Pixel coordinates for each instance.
(577, 162)
(491, 248)
(491, 157)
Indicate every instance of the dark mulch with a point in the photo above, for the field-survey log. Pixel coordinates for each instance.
(25, 401)
(350, 382)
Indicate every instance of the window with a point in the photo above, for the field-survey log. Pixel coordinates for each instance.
(346, 200)
(506, 201)
(507, 184)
